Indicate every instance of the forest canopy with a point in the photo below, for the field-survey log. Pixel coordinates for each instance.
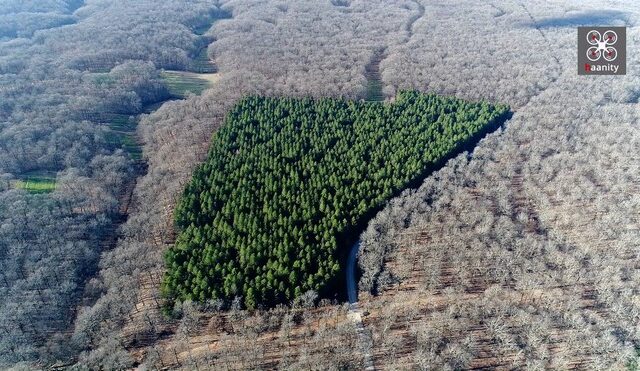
(287, 178)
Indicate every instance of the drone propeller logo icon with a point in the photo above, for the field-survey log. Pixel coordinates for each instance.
(602, 45)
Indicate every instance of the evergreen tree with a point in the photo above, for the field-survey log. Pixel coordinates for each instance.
(285, 178)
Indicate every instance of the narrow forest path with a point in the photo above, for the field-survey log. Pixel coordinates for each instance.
(352, 287)
(535, 24)
(521, 203)
(374, 93)
(355, 314)
(415, 17)
(374, 78)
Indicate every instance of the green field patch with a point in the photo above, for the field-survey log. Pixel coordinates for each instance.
(120, 122)
(202, 64)
(122, 133)
(103, 79)
(374, 91)
(374, 79)
(181, 83)
(149, 108)
(36, 182)
(289, 183)
(201, 27)
(132, 147)
(127, 142)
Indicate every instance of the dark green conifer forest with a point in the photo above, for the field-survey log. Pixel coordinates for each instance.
(285, 178)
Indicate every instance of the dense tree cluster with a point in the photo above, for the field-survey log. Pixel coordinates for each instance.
(266, 48)
(285, 178)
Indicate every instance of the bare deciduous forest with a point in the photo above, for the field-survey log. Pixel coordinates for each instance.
(521, 254)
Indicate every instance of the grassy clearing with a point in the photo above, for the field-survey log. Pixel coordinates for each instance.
(204, 25)
(374, 79)
(122, 134)
(154, 106)
(202, 29)
(131, 146)
(120, 122)
(37, 182)
(202, 64)
(181, 83)
(126, 141)
(374, 91)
